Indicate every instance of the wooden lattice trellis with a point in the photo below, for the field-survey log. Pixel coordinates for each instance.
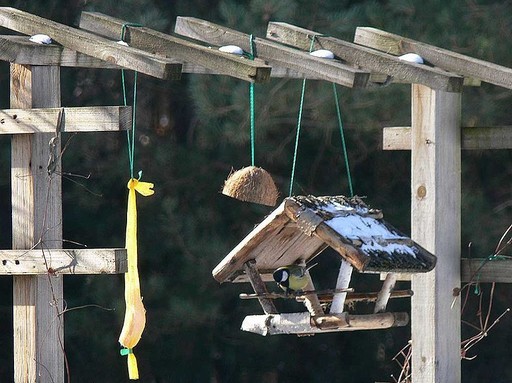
(435, 139)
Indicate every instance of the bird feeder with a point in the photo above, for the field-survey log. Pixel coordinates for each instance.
(299, 230)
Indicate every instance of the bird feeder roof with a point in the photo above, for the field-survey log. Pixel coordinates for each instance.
(303, 226)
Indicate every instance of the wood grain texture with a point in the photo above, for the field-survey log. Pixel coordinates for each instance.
(366, 58)
(486, 270)
(36, 221)
(19, 50)
(442, 58)
(473, 138)
(435, 218)
(274, 53)
(76, 119)
(63, 261)
(90, 44)
(177, 48)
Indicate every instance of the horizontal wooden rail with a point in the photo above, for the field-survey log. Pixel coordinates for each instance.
(473, 138)
(90, 44)
(75, 119)
(304, 323)
(58, 261)
(177, 48)
(442, 58)
(485, 270)
(274, 53)
(366, 58)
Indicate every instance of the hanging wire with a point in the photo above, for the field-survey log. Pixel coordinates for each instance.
(343, 143)
(299, 120)
(251, 104)
(130, 135)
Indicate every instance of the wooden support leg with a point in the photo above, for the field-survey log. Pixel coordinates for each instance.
(36, 220)
(344, 275)
(311, 301)
(385, 293)
(259, 287)
(435, 218)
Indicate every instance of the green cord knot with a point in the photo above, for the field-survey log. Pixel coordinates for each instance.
(126, 351)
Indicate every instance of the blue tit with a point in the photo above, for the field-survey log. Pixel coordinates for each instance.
(291, 278)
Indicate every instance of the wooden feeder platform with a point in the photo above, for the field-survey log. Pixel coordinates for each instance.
(300, 229)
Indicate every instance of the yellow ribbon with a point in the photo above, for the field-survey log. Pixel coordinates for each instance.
(135, 315)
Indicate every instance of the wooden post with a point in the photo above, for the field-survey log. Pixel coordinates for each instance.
(436, 194)
(343, 281)
(36, 221)
(259, 286)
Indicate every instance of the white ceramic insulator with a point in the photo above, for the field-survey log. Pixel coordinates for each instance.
(236, 50)
(412, 57)
(41, 39)
(323, 53)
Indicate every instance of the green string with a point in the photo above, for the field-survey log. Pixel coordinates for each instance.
(130, 137)
(251, 104)
(299, 120)
(492, 257)
(340, 124)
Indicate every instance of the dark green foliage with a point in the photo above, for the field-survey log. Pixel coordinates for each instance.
(192, 132)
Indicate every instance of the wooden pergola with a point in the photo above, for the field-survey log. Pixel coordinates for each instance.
(37, 119)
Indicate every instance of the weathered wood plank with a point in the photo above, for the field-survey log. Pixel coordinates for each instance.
(177, 48)
(76, 119)
(366, 58)
(484, 270)
(473, 138)
(442, 58)
(276, 54)
(303, 323)
(19, 50)
(90, 44)
(436, 225)
(63, 261)
(36, 220)
(259, 287)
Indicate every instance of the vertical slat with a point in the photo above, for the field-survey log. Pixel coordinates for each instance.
(259, 286)
(37, 221)
(343, 281)
(436, 194)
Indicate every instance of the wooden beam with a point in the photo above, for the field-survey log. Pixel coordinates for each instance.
(19, 50)
(485, 270)
(436, 225)
(259, 287)
(304, 324)
(473, 138)
(276, 54)
(90, 44)
(366, 58)
(177, 48)
(76, 119)
(36, 221)
(63, 261)
(442, 58)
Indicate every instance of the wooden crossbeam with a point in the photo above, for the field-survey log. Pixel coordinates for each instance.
(484, 270)
(473, 138)
(259, 287)
(366, 58)
(75, 119)
(63, 261)
(177, 48)
(304, 323)
(275, 53)
(90, 44)
(20, 50)
(442, 58)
